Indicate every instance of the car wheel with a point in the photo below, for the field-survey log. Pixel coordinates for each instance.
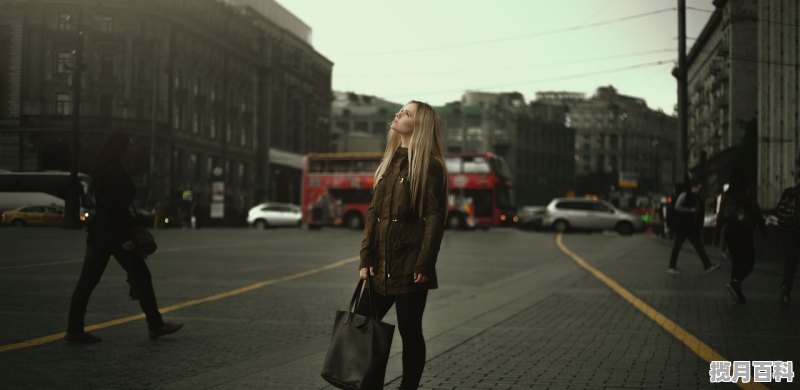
(262, 224)
(561, 225)
(624, 228)
(18, 223)
(353, 221)
(455, 221)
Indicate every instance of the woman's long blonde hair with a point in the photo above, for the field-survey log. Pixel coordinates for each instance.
(426, 143)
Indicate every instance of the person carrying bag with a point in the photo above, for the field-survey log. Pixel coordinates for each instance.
(359, 348)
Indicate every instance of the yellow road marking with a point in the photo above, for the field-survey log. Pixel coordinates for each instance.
(702, 350)
(43, 264)
(216, 297)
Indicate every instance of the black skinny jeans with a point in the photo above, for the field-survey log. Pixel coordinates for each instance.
(739, 239)
(409, 308)
(94, 264)
(694, 236)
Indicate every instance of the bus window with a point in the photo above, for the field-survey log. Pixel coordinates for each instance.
(501, 168)
(453, 164)
(505, 197)
(316, 166)
(476, 165)
(338, 166)
(365, 166)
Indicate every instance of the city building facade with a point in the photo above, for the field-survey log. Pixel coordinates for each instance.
(532, 138)
(722, 92)
(778, 80)
(209, 91)
(622, 147)
(360, 122)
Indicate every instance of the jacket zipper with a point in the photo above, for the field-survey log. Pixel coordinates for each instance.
(388, 227)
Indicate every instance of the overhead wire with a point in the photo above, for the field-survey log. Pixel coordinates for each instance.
(516, 37)
(529, 66)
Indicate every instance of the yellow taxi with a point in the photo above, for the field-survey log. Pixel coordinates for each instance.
(34, 216)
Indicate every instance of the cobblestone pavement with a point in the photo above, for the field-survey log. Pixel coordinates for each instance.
(513, 312)
(583, 336)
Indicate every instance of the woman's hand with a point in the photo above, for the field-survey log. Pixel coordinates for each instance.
(420, 278)
(363, 272)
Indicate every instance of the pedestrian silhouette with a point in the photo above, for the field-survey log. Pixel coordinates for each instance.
(738, 215)
(788, 211)
(109, 234)
(689, 214)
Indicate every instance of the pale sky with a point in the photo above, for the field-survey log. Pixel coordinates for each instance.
(434, 50)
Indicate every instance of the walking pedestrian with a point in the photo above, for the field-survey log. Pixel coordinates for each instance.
(404, 228)
(789, 229)
(109, 234)
(690, 211)
(738, 215)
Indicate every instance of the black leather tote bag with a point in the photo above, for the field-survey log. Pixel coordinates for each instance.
(359, 348)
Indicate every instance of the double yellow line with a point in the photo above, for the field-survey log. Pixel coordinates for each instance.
(700, 348)
(216, 297)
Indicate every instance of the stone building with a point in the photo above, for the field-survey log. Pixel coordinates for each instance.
(778, 98)
(360, 122)
(722, 91)
(532, 138)
(198, 83)
(619, 137)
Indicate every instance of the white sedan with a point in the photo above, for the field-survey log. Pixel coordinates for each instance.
(274, 214)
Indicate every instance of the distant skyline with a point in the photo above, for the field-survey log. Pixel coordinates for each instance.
(436, 50)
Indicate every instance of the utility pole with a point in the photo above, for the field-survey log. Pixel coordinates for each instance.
(683, 98)
(72, 202)
(151, 176)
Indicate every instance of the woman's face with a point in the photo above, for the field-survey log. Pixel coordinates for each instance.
(403, 122)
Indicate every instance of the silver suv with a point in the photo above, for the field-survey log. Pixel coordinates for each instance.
(563, 214)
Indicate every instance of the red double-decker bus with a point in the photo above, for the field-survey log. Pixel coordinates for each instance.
(337, 189)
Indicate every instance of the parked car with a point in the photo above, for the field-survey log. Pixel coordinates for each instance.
(531, 217)
(274, 214)
(564, 214)
(34, 216)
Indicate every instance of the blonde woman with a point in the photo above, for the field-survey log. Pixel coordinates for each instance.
(404, 228)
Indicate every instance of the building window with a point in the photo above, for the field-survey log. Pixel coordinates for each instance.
(195, 123)
(106, 106)
(228, 133)
(106, 65)
(64, 62)
(212, 127)
(63, 104)
(613, 141)
(240, 173)
(243, 138)
(104, 24)
(193, 165)
(65, 22)
(176, 119)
